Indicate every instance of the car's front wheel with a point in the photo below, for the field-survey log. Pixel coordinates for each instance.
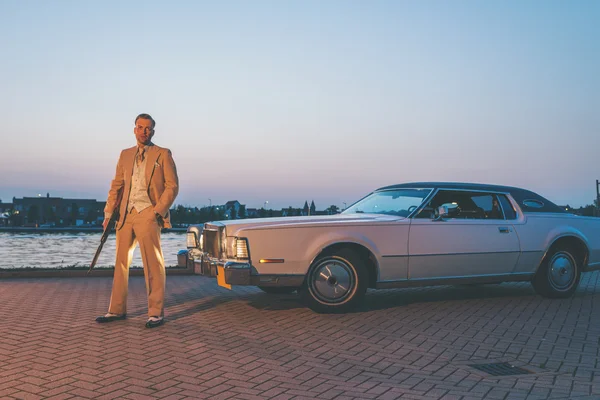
(335, 282)
(559, 274)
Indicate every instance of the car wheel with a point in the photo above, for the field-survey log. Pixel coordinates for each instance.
(559, 274)
(335, 282)
(278, 289)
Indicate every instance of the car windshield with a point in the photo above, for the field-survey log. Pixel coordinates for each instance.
(399, 202)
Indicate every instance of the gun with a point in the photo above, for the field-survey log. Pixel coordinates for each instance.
(111, 223)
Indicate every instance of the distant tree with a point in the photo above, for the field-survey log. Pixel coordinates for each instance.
(203, 215)
(587, 211)
(242, 211)
(305, 209)
(332, 209)
(262, 213)
(313, 209)
(233, 213)
(181, 214)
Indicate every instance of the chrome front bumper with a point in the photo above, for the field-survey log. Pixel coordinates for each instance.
(235, 273)
(239, 273)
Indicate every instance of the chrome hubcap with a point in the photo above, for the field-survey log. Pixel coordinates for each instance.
(332, 280)
(562, 271)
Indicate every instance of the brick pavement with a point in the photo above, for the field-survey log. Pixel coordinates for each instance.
(245, 344)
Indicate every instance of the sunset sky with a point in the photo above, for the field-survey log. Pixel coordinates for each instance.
(287, 101)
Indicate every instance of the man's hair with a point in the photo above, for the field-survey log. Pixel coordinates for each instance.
(146, 116)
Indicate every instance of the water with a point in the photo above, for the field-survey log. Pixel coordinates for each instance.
(60, 250)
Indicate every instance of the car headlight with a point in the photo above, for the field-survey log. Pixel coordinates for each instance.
(193, 236)
(241, 249)
(191, 240)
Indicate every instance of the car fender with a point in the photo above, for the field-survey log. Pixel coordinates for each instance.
(327, 239)
(564, 231)
(558, 233)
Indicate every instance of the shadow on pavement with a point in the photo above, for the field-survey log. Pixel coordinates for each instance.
(388, 298)
(200, 299)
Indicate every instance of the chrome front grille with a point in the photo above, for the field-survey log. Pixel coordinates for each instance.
(210, 243)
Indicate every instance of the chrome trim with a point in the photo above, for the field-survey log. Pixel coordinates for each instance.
(463, 254)
(332, 280)
(562, 271)
(471, 279)
(395, 256)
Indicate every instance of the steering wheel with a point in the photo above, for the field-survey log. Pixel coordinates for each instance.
(411, 209)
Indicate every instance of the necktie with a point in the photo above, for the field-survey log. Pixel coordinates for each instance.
(140, 156)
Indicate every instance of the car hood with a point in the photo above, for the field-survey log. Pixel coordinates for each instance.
(234, 226)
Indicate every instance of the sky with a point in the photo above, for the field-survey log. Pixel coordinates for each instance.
(288, 101)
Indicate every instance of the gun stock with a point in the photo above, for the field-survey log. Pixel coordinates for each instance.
(112, 222)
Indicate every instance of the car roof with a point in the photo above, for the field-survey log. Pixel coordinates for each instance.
(527, 200)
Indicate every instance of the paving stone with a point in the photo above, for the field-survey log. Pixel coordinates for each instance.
(407, 343)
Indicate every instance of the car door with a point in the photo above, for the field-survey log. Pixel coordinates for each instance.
(474, 241)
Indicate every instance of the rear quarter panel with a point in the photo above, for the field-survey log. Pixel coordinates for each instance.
(538, 231)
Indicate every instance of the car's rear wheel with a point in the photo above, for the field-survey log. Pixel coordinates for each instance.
(335, 282)
(559, 274)
(278, 289)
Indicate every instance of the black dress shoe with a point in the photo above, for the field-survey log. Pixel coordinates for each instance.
(110, 318)
(153, 322)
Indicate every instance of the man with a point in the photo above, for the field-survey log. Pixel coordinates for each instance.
(147, 176)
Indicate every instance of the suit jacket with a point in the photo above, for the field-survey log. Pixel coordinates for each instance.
(161, 178)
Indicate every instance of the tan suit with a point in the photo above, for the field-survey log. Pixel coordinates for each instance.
(144, 227)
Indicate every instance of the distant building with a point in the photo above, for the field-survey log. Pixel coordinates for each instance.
(57, 211)
(232, 209)
(5, 213)
(5, 207)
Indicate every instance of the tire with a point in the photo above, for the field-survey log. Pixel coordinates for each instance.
(278, 289)
(559, 274)
(335, 283)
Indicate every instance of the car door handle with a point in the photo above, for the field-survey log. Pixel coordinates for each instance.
(503, 229)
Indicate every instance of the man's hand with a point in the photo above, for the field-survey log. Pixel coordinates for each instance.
(159, 219)
(105, 223)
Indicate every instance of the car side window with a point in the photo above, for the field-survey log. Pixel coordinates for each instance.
(490, 204)
(470, 205)
(507, 207)
(462, 201)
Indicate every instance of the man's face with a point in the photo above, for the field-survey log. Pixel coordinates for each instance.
(143, 131)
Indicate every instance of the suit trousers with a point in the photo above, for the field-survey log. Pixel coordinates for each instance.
(142, 228)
